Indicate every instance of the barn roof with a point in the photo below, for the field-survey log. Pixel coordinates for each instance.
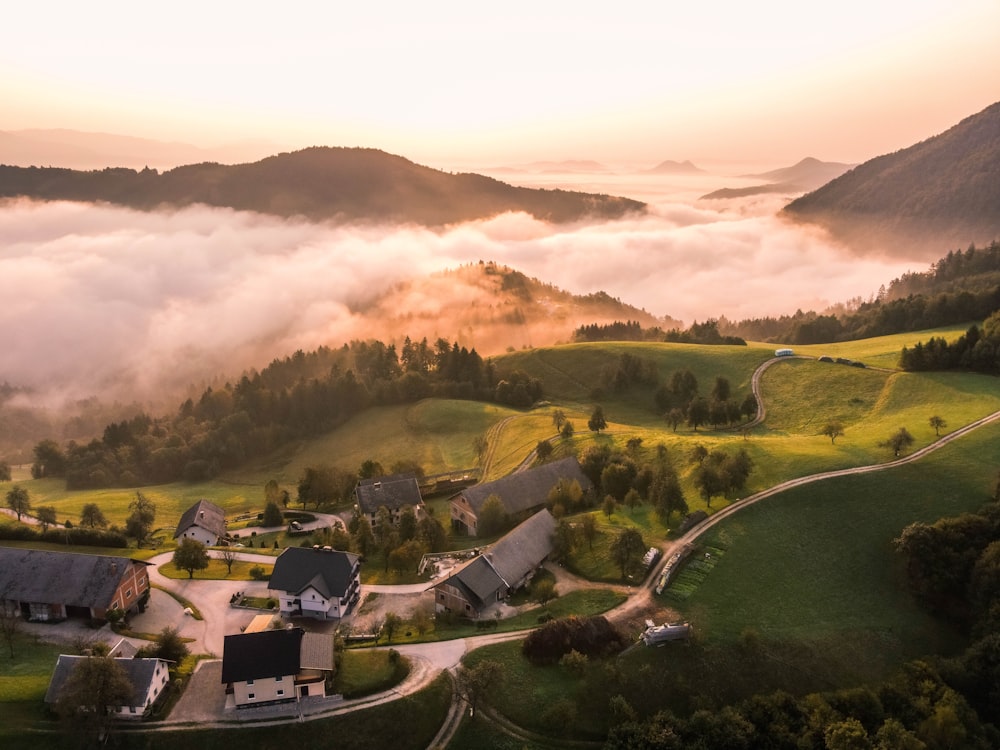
(524, 490)
(203, 514)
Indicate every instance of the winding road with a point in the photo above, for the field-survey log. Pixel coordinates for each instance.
(429, 659)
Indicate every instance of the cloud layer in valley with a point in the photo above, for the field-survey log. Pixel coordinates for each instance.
(123, 304)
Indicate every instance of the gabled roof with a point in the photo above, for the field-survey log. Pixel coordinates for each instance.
(255, 656)
(70, 578)
(507, 562)
(478, 581)
(524, 490)
(140, 673)
(330, 572)
(392, 491)
(205, 515)
(523, 549)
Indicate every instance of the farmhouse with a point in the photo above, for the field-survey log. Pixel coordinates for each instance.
(505, 567)
(203, 521)
(521, 493)
(44, 585)
(275, 666)
(320, 582)
(148, 677)
(393, 493)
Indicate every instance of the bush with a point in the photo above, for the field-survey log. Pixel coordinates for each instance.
(257, 573)
(590, 636)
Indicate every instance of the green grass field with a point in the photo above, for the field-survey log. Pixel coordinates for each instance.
(216, 571)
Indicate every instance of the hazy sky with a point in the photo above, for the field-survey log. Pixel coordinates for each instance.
(457, 82)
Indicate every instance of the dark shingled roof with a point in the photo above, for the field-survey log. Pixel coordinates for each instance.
(478, 580)
(140, 673)
(204, 514)
(393, 492)
(255, 656)
(523, 549)
(524, 490)
(328, 571)
(508, 561)
(70, 578)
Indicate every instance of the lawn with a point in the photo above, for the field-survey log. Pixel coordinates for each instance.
(216, 571)
(23, 682)
(409, 723)
(366, 671)
(595, 563)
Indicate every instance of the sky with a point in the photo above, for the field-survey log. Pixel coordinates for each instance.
(449, 82)
(127, 304)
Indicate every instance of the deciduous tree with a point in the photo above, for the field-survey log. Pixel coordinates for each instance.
(272, 515)
(93, 691)
(142, 513)
(479, 682)
(588, 523)
(18, 500)
(627, 546)
(228, 555)
(92, 517)
(832, 430)
(492, 517)
(190, 555)
(46, 516)
(900, 440)
(597, 422)
(938, 424)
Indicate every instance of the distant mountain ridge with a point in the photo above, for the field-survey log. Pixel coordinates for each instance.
(939, 192)
(808, 174)
(75, 149)
(675, 167)
(320, 183)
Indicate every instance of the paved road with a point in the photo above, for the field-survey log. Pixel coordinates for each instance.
(429, 659)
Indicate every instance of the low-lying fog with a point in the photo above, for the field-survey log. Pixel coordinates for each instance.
(122, 304)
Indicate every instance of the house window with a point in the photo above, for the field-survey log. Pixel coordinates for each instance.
(142, 582)
(249, 682)
(278, 679)
(131, 709)
(128, 593)
(250, 696)
(114, 605)
(281, 692)
(441, 596)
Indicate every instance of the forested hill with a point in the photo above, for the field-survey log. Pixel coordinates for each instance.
(318, 183)
(944, 191)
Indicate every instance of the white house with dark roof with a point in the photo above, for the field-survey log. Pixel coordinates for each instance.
(320, 582)
(275, 666)
(203, 521)
(475, 587)
(522, 493)
(44, 585)
(393, 492)
(149, 678)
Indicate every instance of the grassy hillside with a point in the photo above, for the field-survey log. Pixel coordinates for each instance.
(801, 395)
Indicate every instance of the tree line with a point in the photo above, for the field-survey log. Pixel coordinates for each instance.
(978, 349)
(299, 396)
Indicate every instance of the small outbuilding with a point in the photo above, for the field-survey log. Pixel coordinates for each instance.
(149, 678)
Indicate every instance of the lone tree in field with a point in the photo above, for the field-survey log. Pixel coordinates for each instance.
(190, 555)
(480, 681)
(558, 419)
(92, 517)
(390, 625)
(18, 500)
(588, 523)
(272, 515)
(597, 422)
(4, 471)
(567, 430)
(938, 424)
(543, 450)
(832, 430)
(628, 545)
(899, 440)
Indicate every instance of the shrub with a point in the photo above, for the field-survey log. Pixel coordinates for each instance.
(257, 573)
(590, 636)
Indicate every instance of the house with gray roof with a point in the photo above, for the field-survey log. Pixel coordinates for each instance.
(203, 521)
(49, 586)
(149, 678)
(475, 587)
(321, 582)
(522, 493)
(393, 492)
(275, 666)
